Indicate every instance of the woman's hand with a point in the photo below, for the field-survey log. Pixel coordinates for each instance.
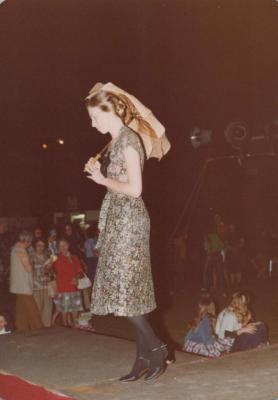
(48, 265)
(94, 172)
(250, 328)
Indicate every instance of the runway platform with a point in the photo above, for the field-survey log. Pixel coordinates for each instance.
(87, 366)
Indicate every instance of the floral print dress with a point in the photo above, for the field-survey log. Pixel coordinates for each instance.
(123, 284)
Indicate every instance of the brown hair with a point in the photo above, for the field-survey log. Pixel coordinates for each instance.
(206, 307)
(123, 108)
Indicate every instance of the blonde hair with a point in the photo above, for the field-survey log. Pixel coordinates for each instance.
(25, 236)
(206, 307)
(239, 306)
(123, 108)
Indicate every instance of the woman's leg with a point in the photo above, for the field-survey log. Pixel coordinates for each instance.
(70, 319)
(148, 343)
(142, 361)
(65, 318)
(75, 317)
(248, 341)
(55, 314)
(144, 329)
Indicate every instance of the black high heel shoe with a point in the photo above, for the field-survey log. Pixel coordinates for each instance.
(157, 363)
(141, 366)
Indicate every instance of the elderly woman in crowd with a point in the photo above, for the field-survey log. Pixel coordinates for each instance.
(21, 284)
(41, 266)
(68, 270)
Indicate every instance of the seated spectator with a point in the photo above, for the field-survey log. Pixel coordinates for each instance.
(41, 267)
(3, 325)
(236, 325)
(201, 338)
(21, 284)
(68, 270)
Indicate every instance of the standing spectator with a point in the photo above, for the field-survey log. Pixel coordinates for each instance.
(68, 270)
(41, 266)
(91, 253)
(235, 255)
(73, 239)
(52, 242)
(37, 234)
(21, 283)
(221, 227)
(214, 268)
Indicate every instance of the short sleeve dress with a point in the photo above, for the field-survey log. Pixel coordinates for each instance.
(123, 284)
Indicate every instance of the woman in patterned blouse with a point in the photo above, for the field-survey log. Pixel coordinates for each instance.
(123, 284)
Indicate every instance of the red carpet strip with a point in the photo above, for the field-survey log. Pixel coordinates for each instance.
(15, 388)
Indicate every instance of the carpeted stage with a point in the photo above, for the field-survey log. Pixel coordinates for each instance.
(82, 365)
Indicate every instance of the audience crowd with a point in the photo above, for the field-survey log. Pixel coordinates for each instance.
(51, 273)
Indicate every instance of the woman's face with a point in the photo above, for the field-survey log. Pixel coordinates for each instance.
(100, 119)
(63, 247)
(40, 247)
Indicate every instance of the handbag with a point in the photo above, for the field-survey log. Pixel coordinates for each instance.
(52, 288)
(84, 283)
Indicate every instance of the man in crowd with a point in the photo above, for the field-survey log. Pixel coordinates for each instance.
(74, 240)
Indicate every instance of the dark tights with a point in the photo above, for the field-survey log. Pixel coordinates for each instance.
(146, 341)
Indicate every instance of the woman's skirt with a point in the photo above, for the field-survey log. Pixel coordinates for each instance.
(123, 283)
(208, 350)
(69, 302)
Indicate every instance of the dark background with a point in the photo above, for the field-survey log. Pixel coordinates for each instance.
(192, 62)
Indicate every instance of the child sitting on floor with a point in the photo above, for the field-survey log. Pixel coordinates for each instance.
(235, 324)
(3, 325)
(201, 339)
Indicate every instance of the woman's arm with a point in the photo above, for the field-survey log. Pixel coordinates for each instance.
(77, 267)
(26, 261)
(134, 185)
(250, 328)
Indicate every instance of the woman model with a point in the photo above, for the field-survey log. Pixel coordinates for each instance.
(123, 284)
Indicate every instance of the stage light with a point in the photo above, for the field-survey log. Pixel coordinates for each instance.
(44, 146)
(61, 141)
(237, 133)
(200, 137)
